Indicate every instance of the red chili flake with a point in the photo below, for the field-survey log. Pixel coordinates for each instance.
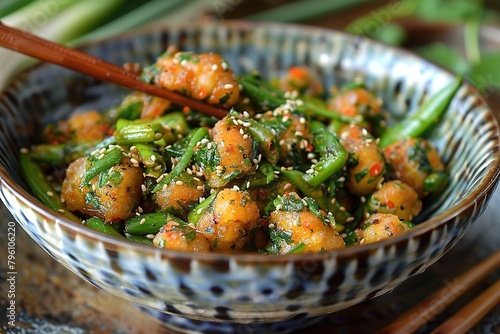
(390, 204)
(186, 109)
(375, 169)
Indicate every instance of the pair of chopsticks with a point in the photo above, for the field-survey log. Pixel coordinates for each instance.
(33, 46)
(464, 319)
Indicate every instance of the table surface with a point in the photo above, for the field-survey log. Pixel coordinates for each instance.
(51, 299)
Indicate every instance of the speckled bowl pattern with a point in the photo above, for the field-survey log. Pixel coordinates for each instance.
(248, 292)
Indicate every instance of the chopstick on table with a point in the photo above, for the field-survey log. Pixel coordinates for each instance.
(433, 305)
(34, 46)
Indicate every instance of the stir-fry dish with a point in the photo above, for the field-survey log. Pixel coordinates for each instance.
(294, 167)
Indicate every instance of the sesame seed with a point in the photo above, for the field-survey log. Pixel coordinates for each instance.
(209, 146)
(235, 187)
(158, 136)
(285, 119)
(50, 193)
(242, 132)
(143, 188)
(235, 122)
(139, 209)
(247, 124)
(189, 171)
(333, 200)
(341, 179)
(63, 200)
(224, 66)
(158, 167)
(61, 210)
(103, 150)
(271, 225)
(100, 157)
(179, 183)
(314, 161)
(134, 161)
(199, 211)
(228, 86)
(24, 150)
(342, 208)
(196, 179)
(201, 199)
(150, 236)
(248, 184)
(363, 199)
(143, 220)
(245, 136)
(200, 188)
(214, 67)
(310, 171)
(153, 157)
(246, 114)
(350, 219)
(287, 186)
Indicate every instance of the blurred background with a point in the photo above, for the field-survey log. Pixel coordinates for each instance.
(461, 35)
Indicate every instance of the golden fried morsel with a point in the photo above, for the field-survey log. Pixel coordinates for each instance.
(365, 165)
(395, 197)
(228, 223)
(381, 226)
(112, 195)
(303, 227)
(179, 237)
(412, 160)
(205, 76)
(180, 195)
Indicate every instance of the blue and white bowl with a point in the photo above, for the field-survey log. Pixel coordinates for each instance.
(253, 292)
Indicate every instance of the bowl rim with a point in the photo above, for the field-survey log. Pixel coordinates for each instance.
(488, 184)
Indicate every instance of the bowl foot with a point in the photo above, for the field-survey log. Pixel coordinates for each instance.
(185, 325)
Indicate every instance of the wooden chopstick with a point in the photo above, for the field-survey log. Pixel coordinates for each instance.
(470, 314)
(34, 46)
(433, 305)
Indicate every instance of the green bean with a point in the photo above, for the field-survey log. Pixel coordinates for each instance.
(147, 223)
(436, 182)
(263, 176)
(174, 121)
(195, 215)
(324, 202)
(198, 135)
(265, 139)
(264, 97)
(140, 239)
(423, 119)
(333, 156)
(40, 187)
(109, 159)
(99, 225)
(258, 91)
(135, 133)
(60, 154)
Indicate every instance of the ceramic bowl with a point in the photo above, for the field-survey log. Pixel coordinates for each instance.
(245, 293)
